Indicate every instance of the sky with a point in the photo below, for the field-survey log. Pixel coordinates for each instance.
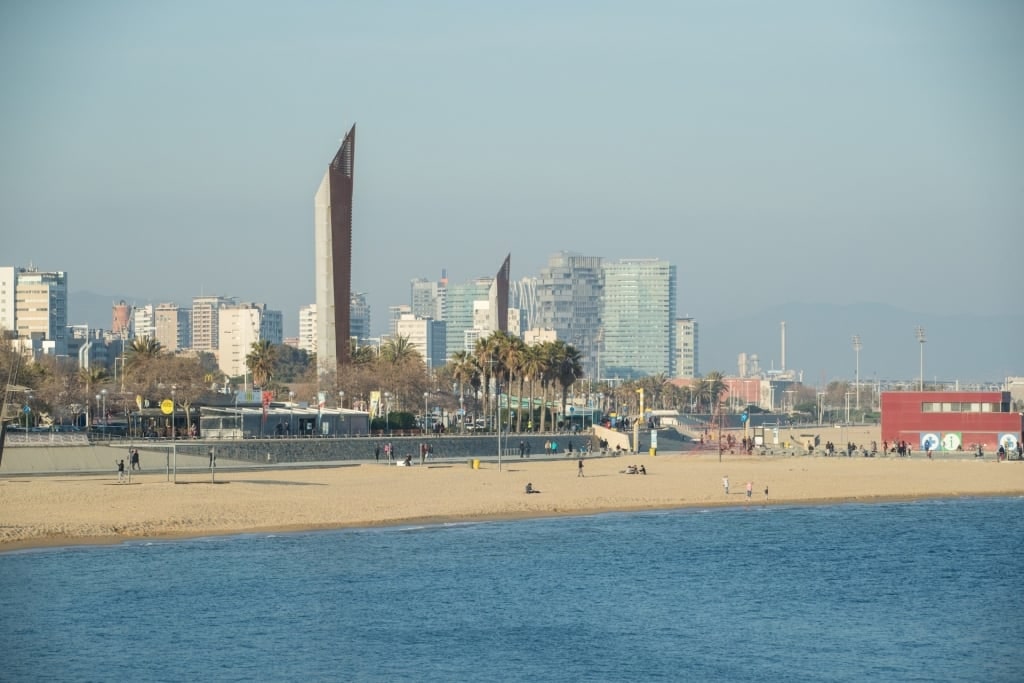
(818, 152)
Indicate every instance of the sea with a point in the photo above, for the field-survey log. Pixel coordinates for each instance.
(911, 591)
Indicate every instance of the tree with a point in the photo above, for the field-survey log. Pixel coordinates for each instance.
(261, 362)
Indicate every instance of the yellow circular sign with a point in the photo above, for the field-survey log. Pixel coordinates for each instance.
(167, 406)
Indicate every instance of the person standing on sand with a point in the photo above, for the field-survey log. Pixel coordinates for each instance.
(750, 490)
(766, 494)
(579, 468)
(120, 471)
(725, 484)
(376, 452)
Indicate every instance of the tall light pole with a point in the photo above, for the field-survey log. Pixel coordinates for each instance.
(857, 346)
(920, 339)
(426, 397)
(103, 395)
(174, 442)
(387, 413)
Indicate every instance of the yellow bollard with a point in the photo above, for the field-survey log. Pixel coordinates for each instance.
(476, 463)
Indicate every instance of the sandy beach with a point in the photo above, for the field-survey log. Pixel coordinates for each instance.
(64, 510)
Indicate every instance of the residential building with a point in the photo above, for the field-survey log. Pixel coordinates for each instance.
(144, 322)
(172, 326)
(425, 335)
(638, 318)
(240, 326)
(206, 320)
(307, 329)
(687, 366)
(568, 301)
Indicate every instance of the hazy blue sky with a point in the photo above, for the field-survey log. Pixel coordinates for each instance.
(800, 151)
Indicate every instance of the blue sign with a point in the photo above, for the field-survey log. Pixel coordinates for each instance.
(26, 409)
(743, 417)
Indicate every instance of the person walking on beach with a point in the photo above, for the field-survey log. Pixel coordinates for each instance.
(766, 494)
(120, 471)
(376, 452)
(725, 484)
(134, 459)
(579, 468)
(750, 490)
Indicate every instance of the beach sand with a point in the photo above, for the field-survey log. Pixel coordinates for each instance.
(65, 510)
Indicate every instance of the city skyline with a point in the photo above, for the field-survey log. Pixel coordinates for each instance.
(845, 154)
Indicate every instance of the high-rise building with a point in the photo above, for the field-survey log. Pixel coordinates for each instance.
(7, 299)
(206, 319)
(568, 301)
(459, 313)
(41, 308)
(395, 314)
(687, 365)
(307, 329)
(359, 317)
(427, 299)
(522, 295)
(172, 326)
(638, 318)
(144, 322)
(240, 326)
(333, 243)
(425, 335)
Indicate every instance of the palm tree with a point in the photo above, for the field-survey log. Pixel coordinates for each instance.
(486, 354)
(568, 369)
(143, 350)
(532, 369)
(398, 351)
(261, 361)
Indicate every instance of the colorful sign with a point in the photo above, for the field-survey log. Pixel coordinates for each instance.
(1008, 441)
(929, 441)
(951, 441)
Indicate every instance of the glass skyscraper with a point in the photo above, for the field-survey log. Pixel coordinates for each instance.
(638, 316)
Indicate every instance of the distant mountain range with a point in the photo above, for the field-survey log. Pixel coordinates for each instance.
(968, 348)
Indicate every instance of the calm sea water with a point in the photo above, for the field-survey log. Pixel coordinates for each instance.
(926, 591)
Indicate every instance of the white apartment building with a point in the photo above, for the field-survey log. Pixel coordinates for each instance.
(307, 329)
(425, 335)
(240, 326)
(144, 322)
(687, 365)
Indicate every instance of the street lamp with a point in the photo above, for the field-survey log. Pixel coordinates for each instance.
(341, 400)
(103, 394)
(462, 414)
(426, 397)
(387, 413)
(174, 442)
(857, 346)
(920, 339)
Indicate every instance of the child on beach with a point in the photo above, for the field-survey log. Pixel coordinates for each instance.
(120, 471)
(725, 484)
(750, 489)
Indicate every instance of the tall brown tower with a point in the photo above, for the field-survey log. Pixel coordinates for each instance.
(333, 224)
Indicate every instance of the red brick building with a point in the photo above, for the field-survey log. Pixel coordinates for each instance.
(951, 420)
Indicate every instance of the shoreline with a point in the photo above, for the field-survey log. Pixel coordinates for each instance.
(51, 542)
(46, 512)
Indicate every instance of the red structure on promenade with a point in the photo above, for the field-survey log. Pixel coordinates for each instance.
(951, 420)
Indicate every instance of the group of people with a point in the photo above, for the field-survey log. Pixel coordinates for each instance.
(749, 488)
(133, 459)
(633, 469)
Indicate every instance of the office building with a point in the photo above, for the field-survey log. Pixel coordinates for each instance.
(638, 319)
(359, 318)
(425, 335)
(40, 308)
